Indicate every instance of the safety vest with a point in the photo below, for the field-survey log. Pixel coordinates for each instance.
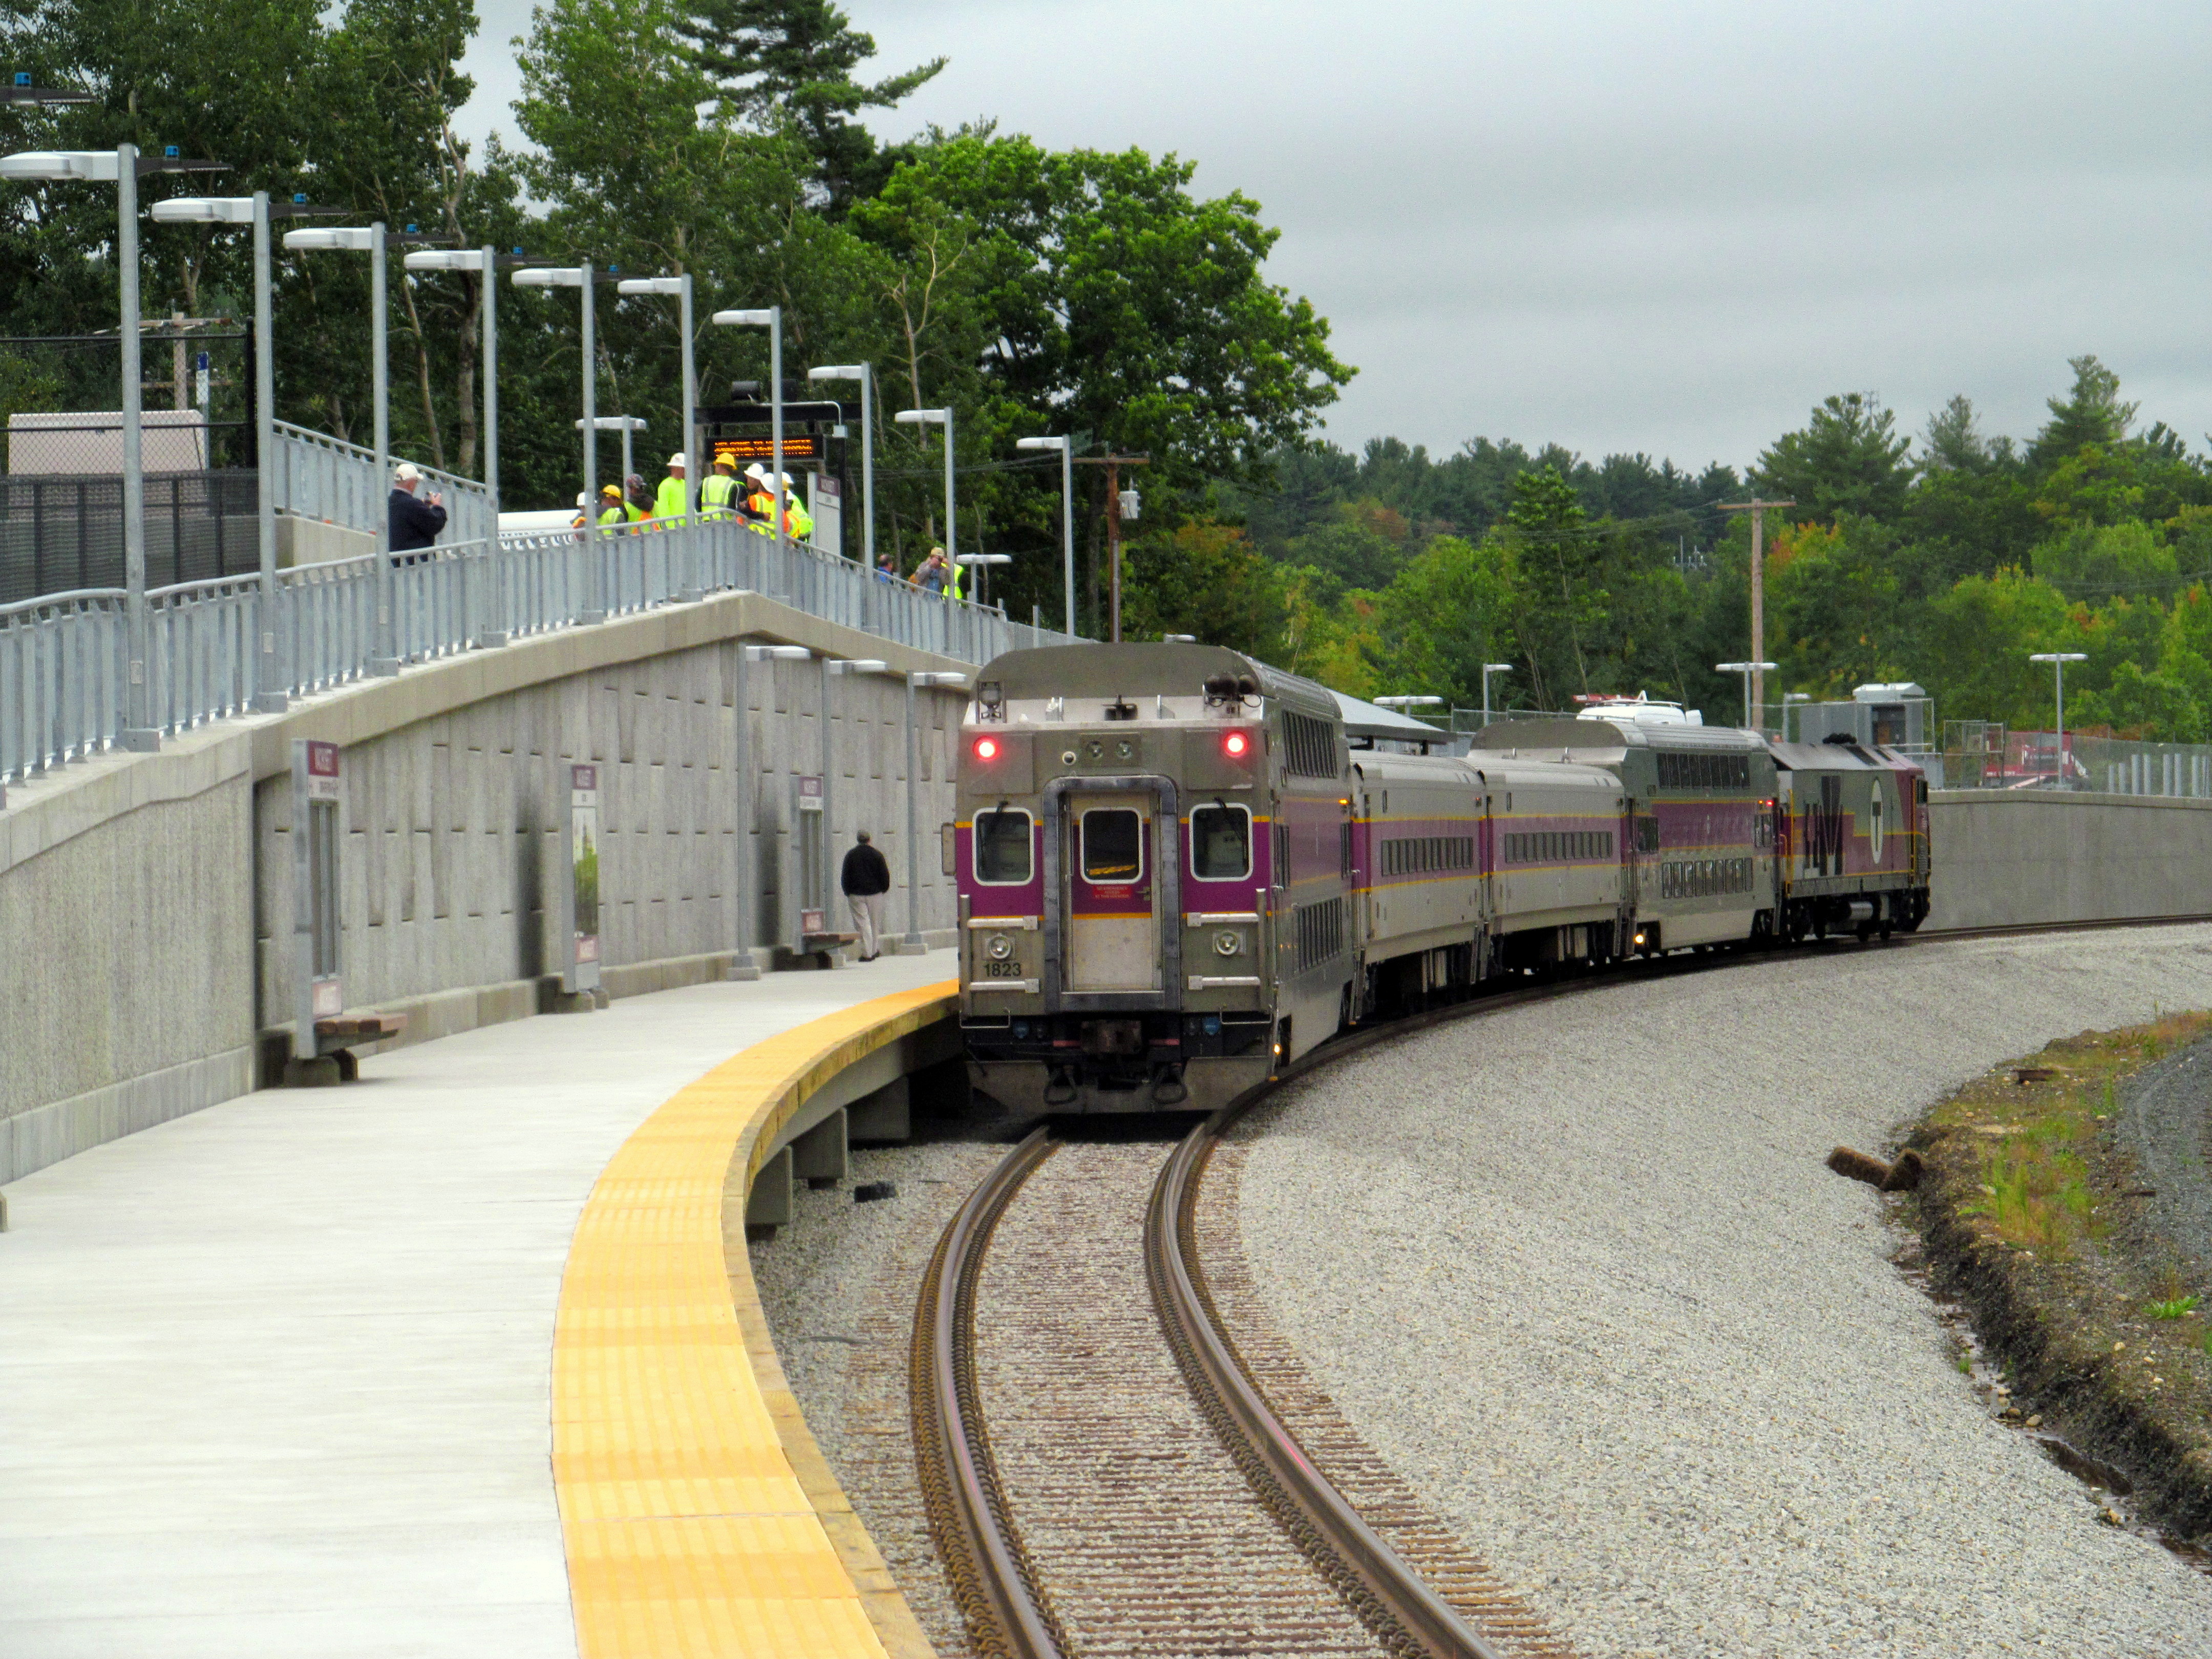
(717, 493)
(954, 576)
(668, 501)
(797, 522)
(761, 507)
(618, 513)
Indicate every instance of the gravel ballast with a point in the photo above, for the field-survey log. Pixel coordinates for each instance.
(1577, 1272)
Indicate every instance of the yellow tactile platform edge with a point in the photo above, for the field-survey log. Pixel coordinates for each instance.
(689, 1530)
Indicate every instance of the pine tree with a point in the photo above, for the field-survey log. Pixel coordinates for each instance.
(2092, 413)
(778, 61)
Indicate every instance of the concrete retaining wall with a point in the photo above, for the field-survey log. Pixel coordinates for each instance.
(2004, 858)
(140, 894)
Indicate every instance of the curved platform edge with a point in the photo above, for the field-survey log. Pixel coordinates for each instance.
(697, 1514)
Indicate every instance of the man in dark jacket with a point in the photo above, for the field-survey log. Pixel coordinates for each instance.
(865, 878)
(414, 524)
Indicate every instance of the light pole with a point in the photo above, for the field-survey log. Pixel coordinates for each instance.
(629, 426)
(916, 682)
(742, 965)
(371, 241)
(2058, 660)
(487, 261)
(981, 563)
(123, 166)
(1747, 669)
(866, 374)
(582, 278)
(1488, 669)
(1788, 698)
(771, 319)
(1067, 447)
(257, 210)
(681, 288)
(938, 417)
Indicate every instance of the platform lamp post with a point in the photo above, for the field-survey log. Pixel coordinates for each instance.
(912, 944)
(123, 166)
(681, 288)
(771, 319)
(866, 374)
(1488, 669)
(742, 965)
(938, 417)
(980, 564)
(486, 261)
(582, 278)
(1747, 669)
(2058, 660)
(272, 680)
(629, 426)
(374, 241)
(1066, 445)
(1790, 699)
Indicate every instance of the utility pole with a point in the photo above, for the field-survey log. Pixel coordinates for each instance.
(1757, 509)
(1113, 464)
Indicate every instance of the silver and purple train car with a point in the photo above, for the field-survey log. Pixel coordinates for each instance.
(1177, 868)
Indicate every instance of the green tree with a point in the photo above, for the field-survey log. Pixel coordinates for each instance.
(2152, 707)
(1849, 457)
(778, 62)
(1448, 612)
(2092, 413)
(1203, 578)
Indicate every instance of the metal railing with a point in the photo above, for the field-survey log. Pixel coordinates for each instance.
(64, 661)
(323, 477)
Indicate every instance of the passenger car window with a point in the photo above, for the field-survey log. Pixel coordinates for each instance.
(1220, 842)
(1112, 844)
(1002, 846)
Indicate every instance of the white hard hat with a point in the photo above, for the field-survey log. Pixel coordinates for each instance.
(677, 460)
(788, 480)
(583, 499)
(406, 473)
(756, 471)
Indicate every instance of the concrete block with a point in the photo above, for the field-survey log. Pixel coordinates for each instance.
(768, 1203)
(818, 1155)
(884, 1116)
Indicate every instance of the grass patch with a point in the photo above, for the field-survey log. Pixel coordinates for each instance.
(2035, 1189)
(2179, 1307)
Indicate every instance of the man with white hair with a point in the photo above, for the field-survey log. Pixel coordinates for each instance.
(414, 524)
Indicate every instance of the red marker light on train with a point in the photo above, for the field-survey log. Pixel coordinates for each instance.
(986, 749)
(1237, 746)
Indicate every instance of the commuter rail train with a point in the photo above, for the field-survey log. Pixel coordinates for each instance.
(1177, 868)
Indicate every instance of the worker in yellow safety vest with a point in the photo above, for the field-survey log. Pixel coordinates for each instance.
(613, 511)
(671, 502)
(797, 522)
(719, 495)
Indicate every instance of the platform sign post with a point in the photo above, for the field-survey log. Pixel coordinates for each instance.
(828, 507)
(812, 827)
(580, 968)
(317, 832)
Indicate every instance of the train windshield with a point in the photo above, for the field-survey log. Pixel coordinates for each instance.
(1112, 845)
(1002, 846)
(1220, 842)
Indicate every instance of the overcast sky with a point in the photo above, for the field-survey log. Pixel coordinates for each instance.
(1623, 227)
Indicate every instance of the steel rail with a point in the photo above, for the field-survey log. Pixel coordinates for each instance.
(996, 1586)
(994, 1583)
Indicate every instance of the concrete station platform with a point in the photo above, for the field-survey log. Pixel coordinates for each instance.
(275, 1377)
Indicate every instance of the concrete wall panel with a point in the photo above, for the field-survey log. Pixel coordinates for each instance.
(2006, 857)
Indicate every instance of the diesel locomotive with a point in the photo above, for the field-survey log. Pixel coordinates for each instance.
(1177, 868)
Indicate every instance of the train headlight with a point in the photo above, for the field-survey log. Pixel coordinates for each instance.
(998, 947)
(1228, 943)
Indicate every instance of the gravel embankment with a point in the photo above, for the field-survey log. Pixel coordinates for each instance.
(838, 1287)
(1577, 1273)
(2166, 1122)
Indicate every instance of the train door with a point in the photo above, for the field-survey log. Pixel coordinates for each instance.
(1109, 891)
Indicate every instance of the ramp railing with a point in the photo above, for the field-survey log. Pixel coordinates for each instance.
(63, 661)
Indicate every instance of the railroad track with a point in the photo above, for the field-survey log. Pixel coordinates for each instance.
(1002, 1592)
